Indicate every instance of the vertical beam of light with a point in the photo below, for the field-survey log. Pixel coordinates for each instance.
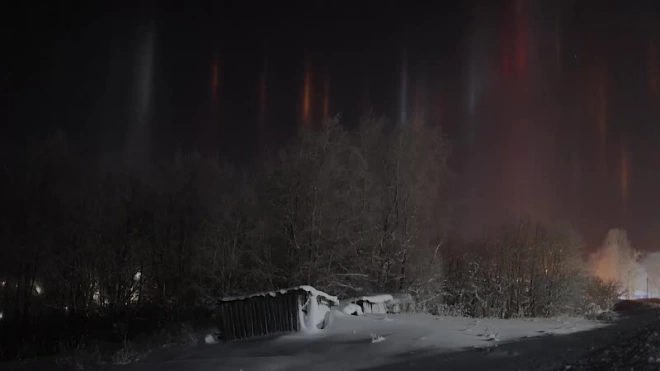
(263, 92)
(472, 89)
(474, 92)
(558, 45)
(403, 93)
(215, 80)
(576, 171)
(476, 79)
(137, 142)
(602, 108)
(506, 63)
(625, 176)
(262, 85)
(326, 97)
(307, 94)
(210, 135)
(145, 75)
(521, 47)
(653, 77)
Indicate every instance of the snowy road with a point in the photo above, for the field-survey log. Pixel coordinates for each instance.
(415, 342)
(638, 352)
(626, 344)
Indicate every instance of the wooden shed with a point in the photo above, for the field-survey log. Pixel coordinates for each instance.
(287, 310)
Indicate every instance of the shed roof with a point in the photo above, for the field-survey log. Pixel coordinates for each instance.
(274, 293)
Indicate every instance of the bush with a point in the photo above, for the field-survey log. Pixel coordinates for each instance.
(447, 310)
(176, 334)
(524, 270)
(128, 353)
(599, 295)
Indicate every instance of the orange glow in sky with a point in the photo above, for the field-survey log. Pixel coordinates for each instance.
(307, 92)
(604, 265)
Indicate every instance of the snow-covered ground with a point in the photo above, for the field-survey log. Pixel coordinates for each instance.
(358, 342)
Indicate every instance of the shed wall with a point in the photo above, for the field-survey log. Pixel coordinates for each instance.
(260, 315)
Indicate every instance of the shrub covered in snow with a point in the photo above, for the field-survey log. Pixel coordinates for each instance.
(401, 303)
(525, 270)
(175, 334)
(442, 309)
(599, 295)
(128, 353)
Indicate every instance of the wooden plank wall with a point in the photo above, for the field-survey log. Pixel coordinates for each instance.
(260, 315)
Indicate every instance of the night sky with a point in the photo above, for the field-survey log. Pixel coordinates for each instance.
(552, 107)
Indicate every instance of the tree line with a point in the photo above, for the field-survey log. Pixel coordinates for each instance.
(350, 211)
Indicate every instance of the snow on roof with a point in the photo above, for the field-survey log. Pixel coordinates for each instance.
(373, 298)
(274, 293)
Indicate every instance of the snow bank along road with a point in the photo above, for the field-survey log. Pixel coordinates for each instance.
(414, 342)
